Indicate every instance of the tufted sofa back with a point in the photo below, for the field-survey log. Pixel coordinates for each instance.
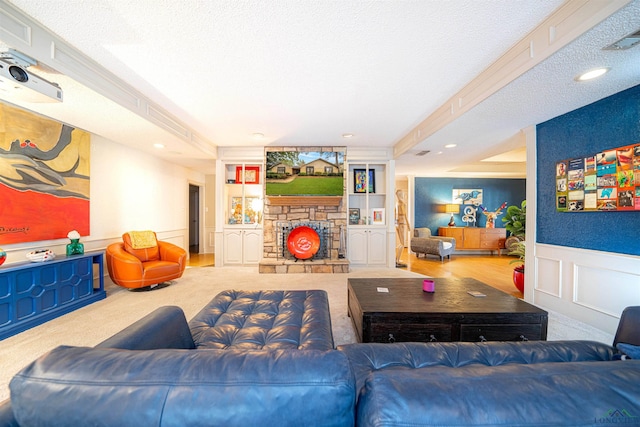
(371, 357)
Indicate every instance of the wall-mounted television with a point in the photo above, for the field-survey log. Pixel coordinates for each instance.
(305, 172)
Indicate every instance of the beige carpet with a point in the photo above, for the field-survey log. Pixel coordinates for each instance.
(94, 323)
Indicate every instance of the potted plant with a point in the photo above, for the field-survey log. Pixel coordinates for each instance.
(515, 220)
(515, 223)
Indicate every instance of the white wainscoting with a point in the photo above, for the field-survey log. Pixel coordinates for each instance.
(590, 286)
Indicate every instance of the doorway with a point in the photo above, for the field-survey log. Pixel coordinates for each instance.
(194, 219)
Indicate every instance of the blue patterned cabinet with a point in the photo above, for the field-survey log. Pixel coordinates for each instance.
(34, 293)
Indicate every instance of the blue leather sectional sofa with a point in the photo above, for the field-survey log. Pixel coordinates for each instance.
(268, 359)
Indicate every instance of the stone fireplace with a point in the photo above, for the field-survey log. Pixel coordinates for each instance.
(325, 214)
(282, 214)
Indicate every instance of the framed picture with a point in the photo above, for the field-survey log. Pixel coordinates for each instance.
(360, 181)
(467, 196)
(251, 175)
(377, 216)
(354, 216)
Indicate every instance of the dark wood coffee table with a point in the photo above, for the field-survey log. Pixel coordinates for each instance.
(406, 313)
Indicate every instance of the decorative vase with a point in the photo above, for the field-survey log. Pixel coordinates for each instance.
(75, 247)
(518, 278)
(3, 256)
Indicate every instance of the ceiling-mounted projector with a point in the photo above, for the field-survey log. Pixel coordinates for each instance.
(16, 83)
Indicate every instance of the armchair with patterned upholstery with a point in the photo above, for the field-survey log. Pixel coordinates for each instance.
(141, 260)
(424, 243)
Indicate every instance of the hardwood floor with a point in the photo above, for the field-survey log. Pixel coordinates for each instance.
(494, 270)
(200, 260)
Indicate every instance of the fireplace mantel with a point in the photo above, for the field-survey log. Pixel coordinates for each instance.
(305, 200)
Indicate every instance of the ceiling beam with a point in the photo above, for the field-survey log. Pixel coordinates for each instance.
(567, 23)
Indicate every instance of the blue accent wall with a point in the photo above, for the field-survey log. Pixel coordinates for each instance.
(609, 123)
(432, 193)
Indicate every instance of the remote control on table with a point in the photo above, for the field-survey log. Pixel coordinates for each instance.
(476, 294)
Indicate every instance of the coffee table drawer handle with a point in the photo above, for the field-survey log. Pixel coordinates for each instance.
(391, 338)
(432, 338)
(523, 338)
(482, 338)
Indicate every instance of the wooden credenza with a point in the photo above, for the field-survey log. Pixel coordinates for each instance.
(475, 238)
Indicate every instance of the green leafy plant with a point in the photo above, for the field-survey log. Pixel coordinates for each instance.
(518, 249)
(515, 219)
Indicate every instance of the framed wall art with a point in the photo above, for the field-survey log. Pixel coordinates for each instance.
(44, 177)
(360, 180)
(354, 216)
(467, 196)
(377, 216)
(251, 175)
(604, 181)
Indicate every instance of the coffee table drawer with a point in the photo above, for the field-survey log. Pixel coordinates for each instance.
(518, 332)
(386, 332)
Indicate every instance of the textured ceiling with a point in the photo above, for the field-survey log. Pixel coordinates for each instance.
(306, 72)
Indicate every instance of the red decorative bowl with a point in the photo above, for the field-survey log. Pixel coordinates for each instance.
(303, 242)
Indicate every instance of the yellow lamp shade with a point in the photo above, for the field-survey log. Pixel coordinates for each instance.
(452, 209)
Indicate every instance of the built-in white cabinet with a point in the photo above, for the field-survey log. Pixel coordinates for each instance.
(368, 217)
(367, 246)
(240, 185)
(242, 246)
(366, 187)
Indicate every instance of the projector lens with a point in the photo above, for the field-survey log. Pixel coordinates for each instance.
(18, 73)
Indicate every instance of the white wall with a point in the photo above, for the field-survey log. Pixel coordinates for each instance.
(130, 190)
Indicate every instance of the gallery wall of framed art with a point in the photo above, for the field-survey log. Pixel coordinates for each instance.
(604, 181)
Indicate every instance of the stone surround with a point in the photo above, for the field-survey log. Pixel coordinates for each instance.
(303, 209)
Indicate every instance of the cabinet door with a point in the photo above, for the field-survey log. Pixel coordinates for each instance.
(472, 238)
(377, 241)
(233, 247)
(252, 246)
(455, 232)
(357, 249)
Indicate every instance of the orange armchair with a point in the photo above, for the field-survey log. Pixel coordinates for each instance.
(141, 260)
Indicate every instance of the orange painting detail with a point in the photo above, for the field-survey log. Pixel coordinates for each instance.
(44, 178)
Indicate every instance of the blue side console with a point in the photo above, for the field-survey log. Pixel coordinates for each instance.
(34, 293)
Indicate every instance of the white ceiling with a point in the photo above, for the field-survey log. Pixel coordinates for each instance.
(305, 72)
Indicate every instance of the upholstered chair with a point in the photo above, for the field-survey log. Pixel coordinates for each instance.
(424, 243)
(141, 260)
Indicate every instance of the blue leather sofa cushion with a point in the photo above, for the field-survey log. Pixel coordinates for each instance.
(366, 358)
(73, 386)
(264, 320)
(540, 394)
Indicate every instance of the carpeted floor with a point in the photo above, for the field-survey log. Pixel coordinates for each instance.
(94, 323)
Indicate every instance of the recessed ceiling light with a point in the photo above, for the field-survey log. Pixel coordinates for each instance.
(450, 145)
(258, 135)
(592, 74)
(347, 135)
(158, 145)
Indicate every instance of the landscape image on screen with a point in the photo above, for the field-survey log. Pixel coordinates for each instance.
(304, 173)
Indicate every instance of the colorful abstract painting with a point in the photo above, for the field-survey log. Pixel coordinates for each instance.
(44, 177)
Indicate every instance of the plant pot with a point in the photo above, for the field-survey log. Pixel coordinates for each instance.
(518, 278)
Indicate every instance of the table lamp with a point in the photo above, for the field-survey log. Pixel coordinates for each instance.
(452, 209)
